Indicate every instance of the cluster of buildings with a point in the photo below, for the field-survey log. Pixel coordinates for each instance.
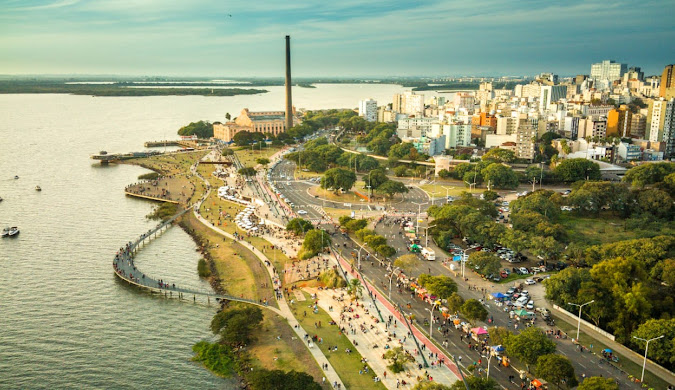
(614, 113)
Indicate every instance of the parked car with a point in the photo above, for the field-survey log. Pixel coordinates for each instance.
(530, 282)
(530, 305)
(523, 271)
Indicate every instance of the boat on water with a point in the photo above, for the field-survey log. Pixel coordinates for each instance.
(5, 232)
(16, 177)
(13, 231)
(0, 198)
(37, 188)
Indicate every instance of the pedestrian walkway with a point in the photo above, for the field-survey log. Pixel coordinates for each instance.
(373, 338)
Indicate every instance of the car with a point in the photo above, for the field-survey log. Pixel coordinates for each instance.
(530, 305)
(530, 282)
(503, 274)
(511, 291)
(525, 292)
(523, 271)
(302, 212)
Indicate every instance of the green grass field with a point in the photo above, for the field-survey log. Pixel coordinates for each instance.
(247, 156)
(606, 228)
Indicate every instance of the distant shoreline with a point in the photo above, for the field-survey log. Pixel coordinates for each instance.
(117, 90)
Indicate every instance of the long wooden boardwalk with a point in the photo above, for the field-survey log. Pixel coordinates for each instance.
(124, 268)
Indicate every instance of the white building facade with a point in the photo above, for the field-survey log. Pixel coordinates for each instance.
(368, 110)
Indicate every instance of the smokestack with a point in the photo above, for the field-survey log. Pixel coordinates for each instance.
(289, 101)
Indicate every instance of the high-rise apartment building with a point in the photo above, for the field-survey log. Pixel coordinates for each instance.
(551, 94)
(661, 122)
(669, 129)
(608, 70)
(667, 88)
(525, 136)
(368, 110)
(619, 121)
(408, 103)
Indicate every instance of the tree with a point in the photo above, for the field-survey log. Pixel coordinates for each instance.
(355, 288)
(540, 201)
(400, 171)
(500, 155)
(215, 356)
(646, 174)
(299, 226)
(406, 263)
(556, 368)
(201, 129)
(500, 176)
(529, 345)
(236, 324)
(263, 161)
(375, 178)
(474, 310)
(356, 225)
(546, 247)
(441, 286)
(576, 169)
(484, 263)
(656, 202)
(392, 187)
(663, 350)
(427, 385)
(455, 302)
(375, 240)
(476, 383)
(338, 178)
(385, 250)
(490, 195)
(263, 379)
(598, 383)
(247, 171)
(398, 358)
(444, 174)
(227, 152)
(315, 241)
(499, 335)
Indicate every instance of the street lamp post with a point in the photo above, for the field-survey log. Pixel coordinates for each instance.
(447, 190)
(359, 258)
(488, 363)
(646, 349)
(391, 277)
(580, 307)
(419, 211)
(431, 319)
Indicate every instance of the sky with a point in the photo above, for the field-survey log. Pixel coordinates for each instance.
(338, 38)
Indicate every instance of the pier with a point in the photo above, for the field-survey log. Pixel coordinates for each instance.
(106, 158)
(124, 268)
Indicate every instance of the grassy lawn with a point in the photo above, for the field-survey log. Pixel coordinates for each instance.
(300, 175)
(438, 191)
(170, 164)
(627, 365)
(348, 197)
(248, 157)
(605, 228)
(346, 365)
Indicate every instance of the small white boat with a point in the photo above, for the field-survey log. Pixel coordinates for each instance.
(16, 177)
(37, 188)
(13, 231)
(5, 232)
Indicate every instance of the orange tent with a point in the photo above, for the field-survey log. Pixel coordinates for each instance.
(536, 382)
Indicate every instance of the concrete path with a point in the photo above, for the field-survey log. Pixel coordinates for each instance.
(284, 309)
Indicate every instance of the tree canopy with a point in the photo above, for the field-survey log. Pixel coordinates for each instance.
(500, 155)
(474, 310)
(299, 226)
(338, 178)
(556, 369)
(576, 169)
(529, 345)
(201, 129)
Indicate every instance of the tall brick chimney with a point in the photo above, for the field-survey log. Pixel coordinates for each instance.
(289, 101)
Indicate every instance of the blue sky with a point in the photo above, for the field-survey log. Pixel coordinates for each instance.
(332, 38)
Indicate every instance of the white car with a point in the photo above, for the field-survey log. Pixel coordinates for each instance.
(302, 212)
(530, 305)
(530, 282)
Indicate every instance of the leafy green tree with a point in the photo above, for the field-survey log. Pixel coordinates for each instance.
(262, 161)
(403, 151)
(598, 383)
(392, 187)
(337, 178)
(500, 176)
(646, 174)
(484, 263)
(247, 171)
(235, 325)
(474, 310)
(656, 202)
(227, 152)
(441, 286)
(556, 369)
(361, 234)
(540, 201)
(455, 302)
(473, 177)
(428, 385)
(243, 138)
(356, 225)
(299, 226)
(344, 219)
(400, 171)
(406, 263)
(576, 169)
(398, 358)
(499, 335)
(375, 240)
(476, 383)
(444, 174)
(546, 247)
(663, 350)
(375, 178)
(355, 288)
(529, 345)
(201, 129)
(500, 155)
(564, 286)
(216, 357)
(515, 240)
(385, 250)
(490, 195)
(315, 241)
(262, 379)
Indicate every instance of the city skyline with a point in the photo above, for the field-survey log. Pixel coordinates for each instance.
(348, 39)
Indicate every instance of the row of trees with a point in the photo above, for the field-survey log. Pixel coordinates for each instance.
(375, 241)
(315, 239)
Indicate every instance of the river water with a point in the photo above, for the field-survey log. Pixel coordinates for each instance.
(65, 320)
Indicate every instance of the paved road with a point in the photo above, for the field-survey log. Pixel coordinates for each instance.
(584, 363)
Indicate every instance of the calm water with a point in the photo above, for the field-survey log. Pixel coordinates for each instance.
(65, 321)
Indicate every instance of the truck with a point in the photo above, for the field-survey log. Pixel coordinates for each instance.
(414, 248)
(428, 254)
